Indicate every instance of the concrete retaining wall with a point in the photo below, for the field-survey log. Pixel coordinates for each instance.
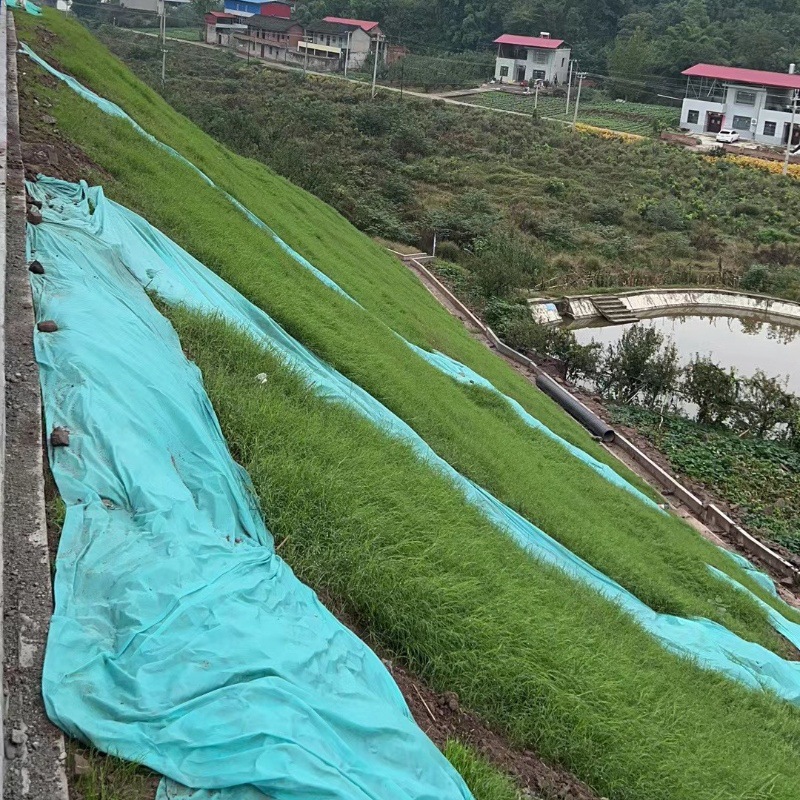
(666, 301)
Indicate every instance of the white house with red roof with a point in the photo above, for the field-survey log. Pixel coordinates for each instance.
(756, 103)
(531, 58)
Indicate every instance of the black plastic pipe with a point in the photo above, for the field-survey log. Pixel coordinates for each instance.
(590, 421)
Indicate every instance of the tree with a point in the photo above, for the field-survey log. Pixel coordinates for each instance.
(712, 389)
(766, 409)
(641, 367)
(202, 7)
(629, 63)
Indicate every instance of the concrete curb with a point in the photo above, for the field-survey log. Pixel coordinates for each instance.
(34, 747)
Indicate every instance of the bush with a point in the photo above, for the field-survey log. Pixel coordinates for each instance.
(755, 279)
(766, 409)
(712, 389)
(610, 212)
(640, 366)
(667, 214)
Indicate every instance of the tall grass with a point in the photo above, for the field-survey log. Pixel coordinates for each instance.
(552, 664)
(658, 558)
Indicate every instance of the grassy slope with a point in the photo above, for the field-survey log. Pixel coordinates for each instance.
(553, 665)
(659, 559)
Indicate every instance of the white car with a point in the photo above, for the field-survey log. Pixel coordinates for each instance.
(729, 137)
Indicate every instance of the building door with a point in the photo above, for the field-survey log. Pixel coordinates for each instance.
(795, 132)
(713, 122)
(520, 74)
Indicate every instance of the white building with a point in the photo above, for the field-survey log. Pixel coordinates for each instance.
(756, 103)
(531, 58)
(343, 40)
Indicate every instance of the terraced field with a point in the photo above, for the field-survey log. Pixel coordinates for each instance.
(636, 118)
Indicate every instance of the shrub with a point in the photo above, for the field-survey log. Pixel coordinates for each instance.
(756, 279)
(667, 214)
(640, 366)
(712, 389)
(608, 212)
(766, 409)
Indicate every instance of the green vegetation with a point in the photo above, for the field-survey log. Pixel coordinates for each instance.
(485, 782)
(98, 776)
(761, 478)
(594, 109)
(569, 210)
(668, 36)
(472, 430)
(549, 662)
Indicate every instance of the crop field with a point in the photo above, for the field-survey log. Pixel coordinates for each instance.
(636, 118)
(549, 663)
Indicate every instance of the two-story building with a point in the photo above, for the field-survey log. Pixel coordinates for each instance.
(756, 103)
(345, 41)
(531, 58)
(221, 27)
(271, 38)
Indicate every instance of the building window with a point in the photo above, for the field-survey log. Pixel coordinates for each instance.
(744, 97)
(769, 128)
(503, 72)
(540, 56)
(693, 117)
(741, 123)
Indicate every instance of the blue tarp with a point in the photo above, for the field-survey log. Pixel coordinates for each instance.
(76, 213)
(180, 638)
(31, 8)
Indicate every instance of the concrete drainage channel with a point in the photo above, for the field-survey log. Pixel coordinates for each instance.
(710, 517)
(33, 753)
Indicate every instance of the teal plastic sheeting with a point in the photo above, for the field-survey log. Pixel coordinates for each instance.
(180, 638)
(442, 362)
(155, 261)
(31, 8)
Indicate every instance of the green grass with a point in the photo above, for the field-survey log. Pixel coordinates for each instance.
(104, 777)
(484, 781)
(550, 663)
(660, 559)
(626, 117)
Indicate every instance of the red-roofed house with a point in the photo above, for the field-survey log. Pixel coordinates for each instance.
(756, 103)
(365, 25)
(531, 58)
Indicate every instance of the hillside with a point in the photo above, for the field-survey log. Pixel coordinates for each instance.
(545, 659)
(519, 205)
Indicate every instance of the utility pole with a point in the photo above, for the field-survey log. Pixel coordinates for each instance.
(581, 76)
(536, 96)
(162, 18)
(791, 134)
(305, 57)
(375, 66)
(569, 84)
(347, 53)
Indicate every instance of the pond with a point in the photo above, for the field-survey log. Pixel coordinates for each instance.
(746, 344)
